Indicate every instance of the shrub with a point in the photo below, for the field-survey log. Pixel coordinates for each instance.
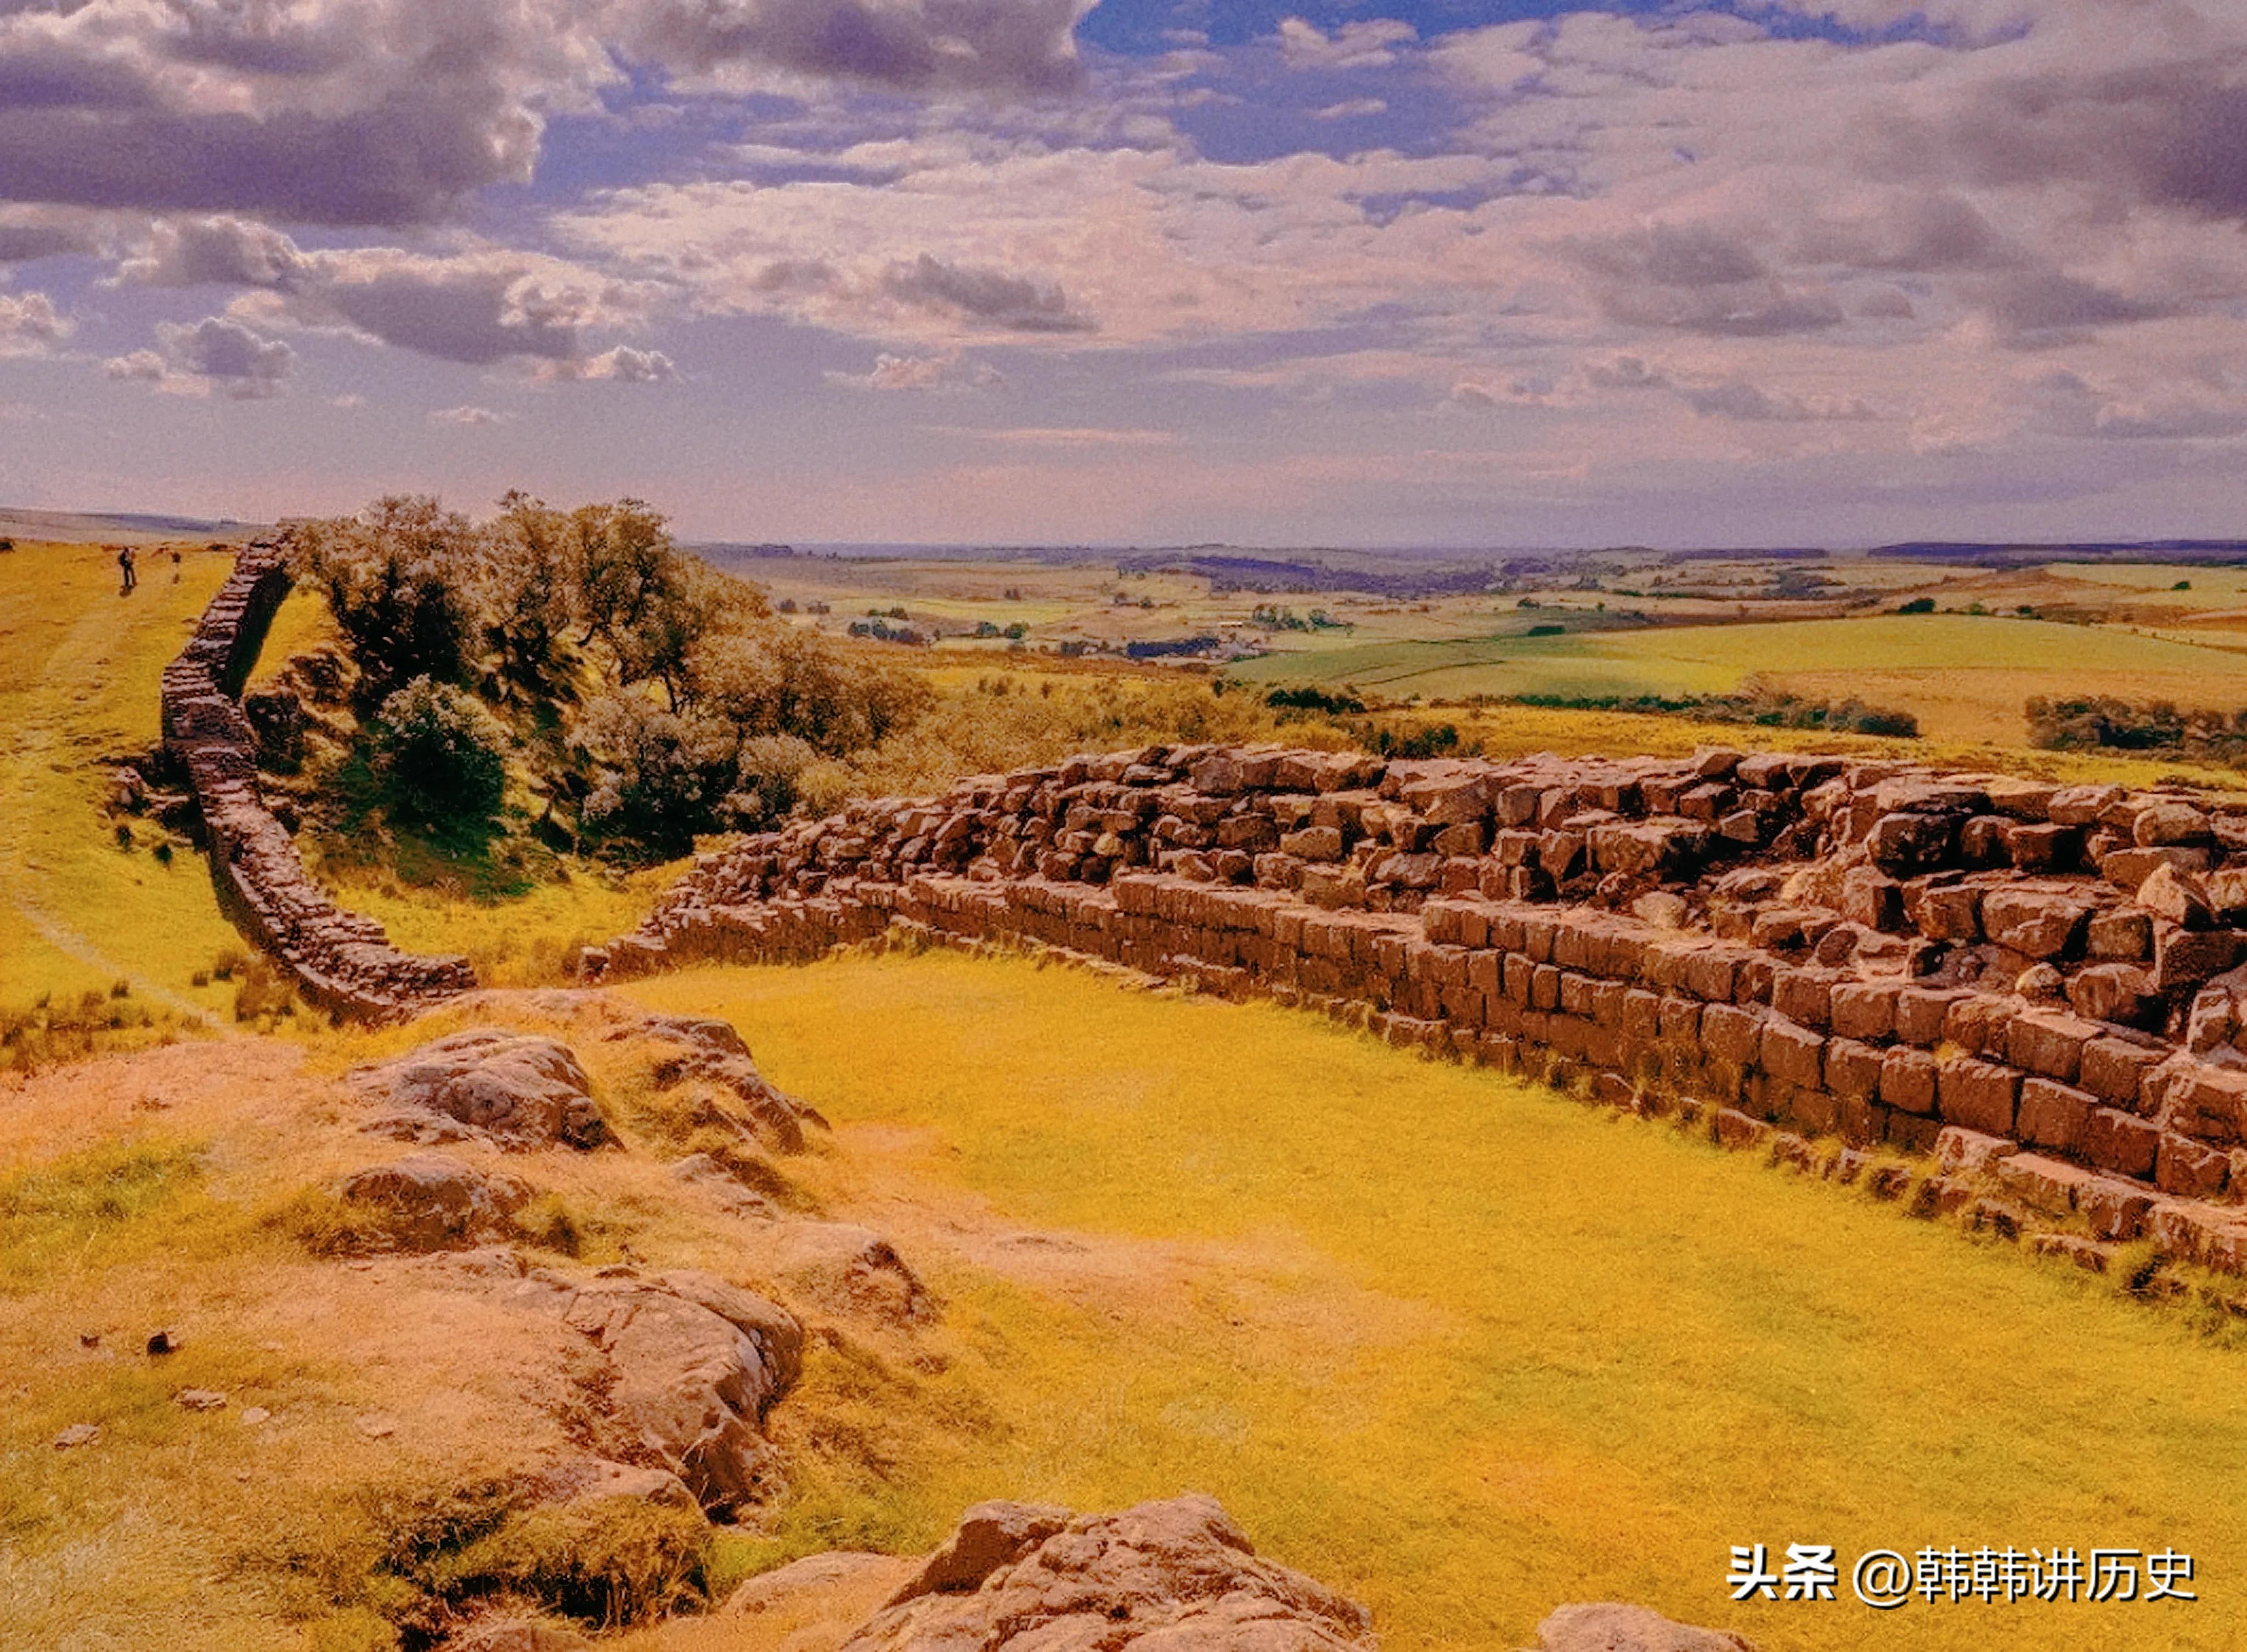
(1918, 606)
(441, 757)
(659, 776)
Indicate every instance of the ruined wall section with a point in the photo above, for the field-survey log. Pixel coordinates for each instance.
(2036, 981)
(338, 960)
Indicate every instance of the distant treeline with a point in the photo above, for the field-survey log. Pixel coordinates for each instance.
(1762, 708)
(2097, 723)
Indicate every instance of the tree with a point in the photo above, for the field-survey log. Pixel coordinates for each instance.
(531, 604)
(398, 580)
(441, 757)
(659, 777)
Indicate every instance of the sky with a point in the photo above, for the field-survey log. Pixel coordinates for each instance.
(1471, 273)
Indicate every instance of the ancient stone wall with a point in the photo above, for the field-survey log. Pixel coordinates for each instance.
(2036, 982)
(338, 960)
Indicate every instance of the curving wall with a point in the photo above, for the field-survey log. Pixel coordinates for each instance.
(338, 960)
(2032, 982)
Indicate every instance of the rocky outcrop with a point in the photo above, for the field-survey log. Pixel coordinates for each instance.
(341, 961)
(508, 1090)
(1773, 945)
(694, 1364)
(434, 1201)
(1178, 1576)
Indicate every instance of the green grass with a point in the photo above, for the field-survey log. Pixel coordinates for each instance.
(1966, 677)
(1460, 1347)
(78, 668)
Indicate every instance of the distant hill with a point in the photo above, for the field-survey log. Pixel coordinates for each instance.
(83, 526)
(2216, 551)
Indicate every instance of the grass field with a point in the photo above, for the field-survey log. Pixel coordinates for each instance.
(1462, 1347)
(79, 667)
(1966, 678)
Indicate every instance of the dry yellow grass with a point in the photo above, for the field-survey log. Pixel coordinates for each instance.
(1462, 1347)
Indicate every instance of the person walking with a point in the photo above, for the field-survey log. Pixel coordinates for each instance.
(124, 566)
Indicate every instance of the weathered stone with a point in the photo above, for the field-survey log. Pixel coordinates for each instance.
(1173, 1577)
(1902, 844)
(700, 1362)
(2163, 824)
(2176, 896)
(1978, 1095)
(432, 1201)
(2049, 1042)
(2053, 1114)
(507, 1086)
(2037, 922)
(2119, 992)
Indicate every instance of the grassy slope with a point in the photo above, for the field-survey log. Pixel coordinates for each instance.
(1467, 1349)
(78, 667)
(1966, 677)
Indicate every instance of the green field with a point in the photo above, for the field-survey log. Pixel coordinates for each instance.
(78, 665)
(1966, 677)
(1460, 1347)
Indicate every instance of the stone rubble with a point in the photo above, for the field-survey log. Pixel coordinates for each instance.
(1791, 946)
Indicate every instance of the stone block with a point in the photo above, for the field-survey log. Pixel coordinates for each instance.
(1853, 1069)
(2189, 1169)
(1980, 1095)
(2036, 923)
(1908, 1080)
(1791, 1054)
(1864, 1009)
(2119, 1142)
(2053, 1114)
(2049, 1042)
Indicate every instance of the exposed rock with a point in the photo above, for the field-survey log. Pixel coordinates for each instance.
(989, 1535)
(2177, 897)
(711, 1051)
(431, 1201)
(1177, 1575)
(817, 1577)
(77, 1435)
(488, 1084)
(694, 1365)
(1606, 1627)
(844, 1267)
(700, 1170)
(699, 1364)
(200, 1399)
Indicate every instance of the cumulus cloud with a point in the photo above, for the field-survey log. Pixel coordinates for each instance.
(480, 307)
(214, 356)
(921, 373)
(1009, 47)
(467, 416)
(985, 297)
(32, 232)
(1368, 43)
(340, 112)
(30, 324)
(1354, 109)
